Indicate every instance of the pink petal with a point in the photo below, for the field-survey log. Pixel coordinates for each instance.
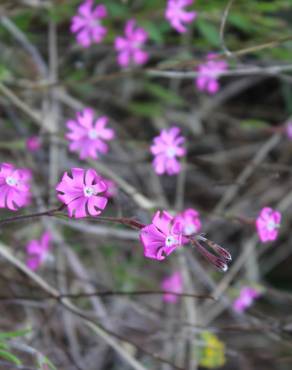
(77, 208)
(96, 202)
(140, 56)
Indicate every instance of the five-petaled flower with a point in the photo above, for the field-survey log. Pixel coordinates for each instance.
(267, 224)
(245, 299)
(88, 137)
(14, 187)
(190, 221)
(87, 24)
(130, 47)
(166, 148)
(161, 237)
(209, 72)
(83, 193)
(177, 15)
(173, 283)
(37, 251)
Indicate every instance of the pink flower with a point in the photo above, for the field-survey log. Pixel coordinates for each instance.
(129, 48)
(166, 147)
(209, 72)
(246, 297)
(173, 283)
(267, 224)
(83, 193)
(14, 187)
(112, 190)
(37, 251)
(289, 130)
(161, 237)
(87, 24)
(177, 15)
(33, 143)
(88, 137)
(190, 221)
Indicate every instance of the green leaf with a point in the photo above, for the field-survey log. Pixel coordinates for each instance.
(209, 31)
(116, 9)
(147, 109)
(63, 11)
(14, 334)
(241, 22)
(10, 357)
(3, 345)
(253, 123)
(45, 361)
(154, 30)
(164, 94)
(5, 74)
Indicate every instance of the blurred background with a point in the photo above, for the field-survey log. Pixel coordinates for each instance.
(238, 161)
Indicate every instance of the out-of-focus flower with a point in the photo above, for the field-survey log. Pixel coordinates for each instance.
(86, 24)
(177, 16)
(130, 46)
(14, 187)
(161, 237)
(112, 189)
(245, 299)
(173, 283)
(267, 224)
(33, 143)
(212, 355)
(83, 193)
(190, 221)
(209, 72)
(166, 148)
(289, 130)
(37, 251)
(88, 136)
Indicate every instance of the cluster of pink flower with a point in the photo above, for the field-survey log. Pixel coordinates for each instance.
(167, 233)
(88, 28)
(130, 47)
(85, 192)
(89, 137)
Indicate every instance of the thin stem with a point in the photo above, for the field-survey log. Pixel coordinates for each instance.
(50, 212)
(105, 294)
(54, 212)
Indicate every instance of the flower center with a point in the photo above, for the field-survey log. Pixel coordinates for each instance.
(92, 134)
(271, 225)
(93, 23)
(171, 152)
(189, 229)
(170, 241)
(89, 191)
(11, 181)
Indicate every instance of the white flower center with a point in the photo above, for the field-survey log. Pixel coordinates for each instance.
(11, 181)
(93, 23)
(92, 134)
(171, 152)
(189, 229)
(170, 241)
(89, 191)
(271, 225)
